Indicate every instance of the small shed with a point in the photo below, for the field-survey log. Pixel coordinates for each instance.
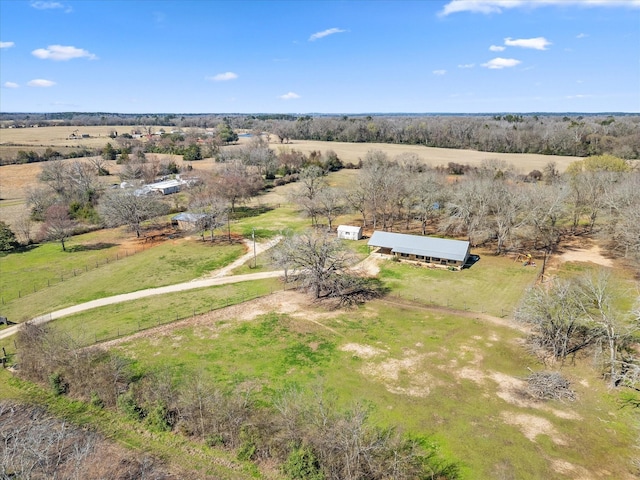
(349, 232)
(189, 221)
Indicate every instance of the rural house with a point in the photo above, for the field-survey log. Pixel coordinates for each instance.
(416, 248)
(349, 232)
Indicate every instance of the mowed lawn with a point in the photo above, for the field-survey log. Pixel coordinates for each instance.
(493, 285)
(458, 380)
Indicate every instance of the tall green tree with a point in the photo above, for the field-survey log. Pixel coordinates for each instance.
(7, 238)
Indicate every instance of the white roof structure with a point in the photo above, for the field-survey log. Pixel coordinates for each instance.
(419, 245)
(349, 228)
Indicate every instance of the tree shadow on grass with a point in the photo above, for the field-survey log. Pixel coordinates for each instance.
(91, 247)
(245, 211)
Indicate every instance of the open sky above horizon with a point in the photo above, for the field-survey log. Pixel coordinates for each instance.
(450, 56)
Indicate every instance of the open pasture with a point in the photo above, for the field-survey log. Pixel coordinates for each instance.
(428, 372)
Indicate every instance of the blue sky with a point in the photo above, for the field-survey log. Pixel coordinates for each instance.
(455, 56)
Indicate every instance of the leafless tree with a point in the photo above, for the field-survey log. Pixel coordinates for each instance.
(214, 210)
(330, 204)
(312, 182)
(124, 207)
(555, 312)
(23, 227)
(58, 225)
(612, 328)
(236, 183)
(316, 259)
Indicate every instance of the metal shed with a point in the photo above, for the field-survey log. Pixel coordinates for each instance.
(430, 250)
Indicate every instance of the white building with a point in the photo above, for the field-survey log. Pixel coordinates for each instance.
(349, 232)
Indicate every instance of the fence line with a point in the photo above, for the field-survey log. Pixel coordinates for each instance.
(176, 316)
(455, 303)
(58, 279)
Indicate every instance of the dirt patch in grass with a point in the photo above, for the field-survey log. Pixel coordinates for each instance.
(362, 351)
(292, 303)
(402, 376)
(592, 254)
(531, 426)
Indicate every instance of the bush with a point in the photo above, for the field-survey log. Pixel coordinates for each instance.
(57, 384)
(302, 464)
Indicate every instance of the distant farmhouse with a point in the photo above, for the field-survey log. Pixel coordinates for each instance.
(430, 250)
(349, 232)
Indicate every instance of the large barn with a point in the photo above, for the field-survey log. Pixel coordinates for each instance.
(430, 250)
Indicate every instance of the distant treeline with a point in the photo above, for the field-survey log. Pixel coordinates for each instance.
(548, 134)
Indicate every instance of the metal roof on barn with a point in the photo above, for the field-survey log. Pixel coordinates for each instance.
(188, 217)
(419, 245)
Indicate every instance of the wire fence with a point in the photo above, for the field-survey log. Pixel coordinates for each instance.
(41, 283)
(454, 303)
(178, 314)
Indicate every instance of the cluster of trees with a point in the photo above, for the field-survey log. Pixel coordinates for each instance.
(488, 205)
(549, 135)
(31, 156)
(571, 315)
(303, 432)
(578, 135)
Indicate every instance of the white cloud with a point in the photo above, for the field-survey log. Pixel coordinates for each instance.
(439, 72)
(537, 43)
(223, 77)
(498, 6)
(500, 63)
(582, 35)
(11, 85)
(497, 48)
(578, 96)
(44, 5)
(325, 33)
(40, 82)
(6, 44)
(467, 65)
(289, 96)
(62, 53)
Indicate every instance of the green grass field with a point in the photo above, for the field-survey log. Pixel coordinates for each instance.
(456, 379)
(164, 264)
(493, 285)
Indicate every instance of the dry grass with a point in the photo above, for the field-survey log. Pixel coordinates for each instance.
(352, 152)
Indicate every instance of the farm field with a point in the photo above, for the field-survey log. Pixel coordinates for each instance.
(352, 152)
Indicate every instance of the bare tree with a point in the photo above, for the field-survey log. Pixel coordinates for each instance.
(312, 182)
(316, 258)
(555, 312)
(330, 204)
(124, 207)
(236, 183)
(609, 325)
(213, 209)
(57, 224)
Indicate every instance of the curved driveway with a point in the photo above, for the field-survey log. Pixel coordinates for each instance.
(216, 278)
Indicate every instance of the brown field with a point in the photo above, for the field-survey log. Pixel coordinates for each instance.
(352, 152)
(16, 179)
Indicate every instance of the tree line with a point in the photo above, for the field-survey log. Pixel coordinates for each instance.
(574, 135)
(488, 205)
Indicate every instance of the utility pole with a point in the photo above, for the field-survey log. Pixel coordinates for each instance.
(253, 236)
